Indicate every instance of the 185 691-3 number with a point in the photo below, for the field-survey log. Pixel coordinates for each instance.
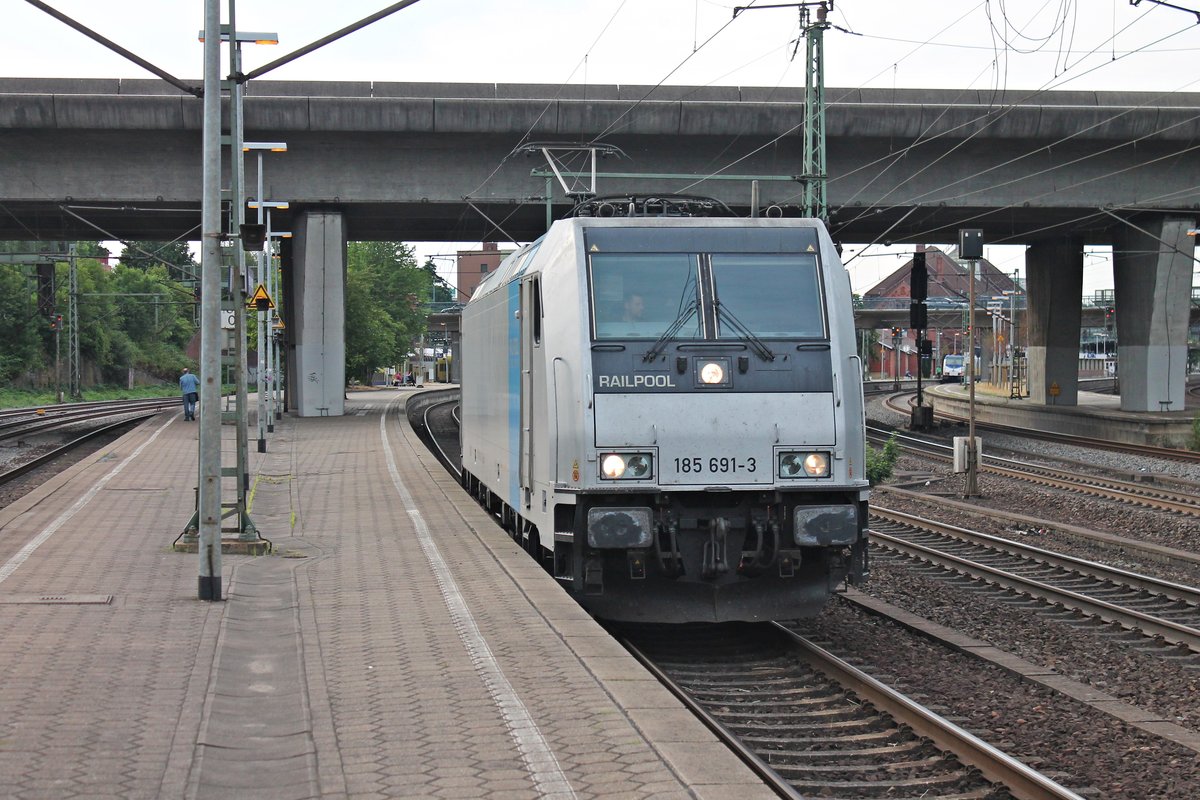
(717, 465)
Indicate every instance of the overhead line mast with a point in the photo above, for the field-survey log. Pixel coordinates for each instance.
(812, 174)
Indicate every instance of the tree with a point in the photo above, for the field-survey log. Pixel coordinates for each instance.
(370, 330)
(22, 348)
(387, 296)
(175, 256)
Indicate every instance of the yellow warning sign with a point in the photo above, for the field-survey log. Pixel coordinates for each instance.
(811, 249)
(278, 324)
(593, 249)
(260, 299)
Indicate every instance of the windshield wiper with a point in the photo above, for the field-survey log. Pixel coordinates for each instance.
(756, 344)
(669, 334)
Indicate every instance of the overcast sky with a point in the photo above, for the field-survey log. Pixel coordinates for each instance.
(954, 44)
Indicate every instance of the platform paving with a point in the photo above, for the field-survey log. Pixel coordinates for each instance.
(396, 644)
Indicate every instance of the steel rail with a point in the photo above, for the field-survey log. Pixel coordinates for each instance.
(29, 466)
(1156, 552)
(1172, 632)
(1169, 453)
(997, 766)
(1175, 591)
(774, 780)
(53, 408)
(26, 425)
(441, 452)
(1096, 486)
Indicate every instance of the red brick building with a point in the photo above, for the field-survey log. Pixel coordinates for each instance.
(474, 265)
(948, 288)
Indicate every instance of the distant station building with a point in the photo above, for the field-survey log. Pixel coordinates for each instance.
(474, 265)
(948, 289)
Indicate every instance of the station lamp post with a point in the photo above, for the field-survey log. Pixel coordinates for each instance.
(274, 327)
(264, 308)
(272, 366)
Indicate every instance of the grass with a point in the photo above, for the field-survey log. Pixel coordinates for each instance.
(21, 398)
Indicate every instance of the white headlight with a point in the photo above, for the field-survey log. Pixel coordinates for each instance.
(803, 465)
(613, 466)
(712, 373)
(816, 465)
(626, 466)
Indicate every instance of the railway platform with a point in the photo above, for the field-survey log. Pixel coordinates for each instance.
(396, 643)
(1095, 415)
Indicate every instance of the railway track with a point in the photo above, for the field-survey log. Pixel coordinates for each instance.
(901, 404)
(1143, 494)
(1164, 615)
(814, 726)
(15, 424)
(22, 422)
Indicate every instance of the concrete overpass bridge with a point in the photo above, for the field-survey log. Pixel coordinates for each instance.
(1055, 170)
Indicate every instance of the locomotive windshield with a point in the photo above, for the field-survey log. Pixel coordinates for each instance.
(773, 296)
(640, 296)
(644, 295)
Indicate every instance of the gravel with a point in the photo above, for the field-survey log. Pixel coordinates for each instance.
(1039, 725)
(1081, 747)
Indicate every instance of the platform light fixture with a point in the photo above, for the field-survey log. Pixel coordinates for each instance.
(249, 37)
(274, 147)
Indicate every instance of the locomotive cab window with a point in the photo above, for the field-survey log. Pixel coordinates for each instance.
(772, 296)
(641, 296)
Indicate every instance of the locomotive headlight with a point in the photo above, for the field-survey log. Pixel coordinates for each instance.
(613, 466)
(803, 465)
(637, 466)
(626, 466)
(712, 372)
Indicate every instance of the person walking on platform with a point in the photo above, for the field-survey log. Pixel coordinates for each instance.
(189, 384)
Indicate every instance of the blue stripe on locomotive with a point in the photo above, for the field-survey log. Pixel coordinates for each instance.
(514, 392)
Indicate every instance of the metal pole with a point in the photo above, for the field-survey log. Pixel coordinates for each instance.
(420, 380)
(58, 395)
(237, 283)
(269, 343)
(896, 353)
(972, 478)
(276, 364)
(262, 338)
(210, 315)
(265, 270)
(73, 313)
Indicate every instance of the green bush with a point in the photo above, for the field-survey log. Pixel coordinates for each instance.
(881, 462)
(1194, 444)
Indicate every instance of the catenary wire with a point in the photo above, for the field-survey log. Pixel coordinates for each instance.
(986, 124)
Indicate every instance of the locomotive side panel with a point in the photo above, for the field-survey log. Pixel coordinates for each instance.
(490, 389)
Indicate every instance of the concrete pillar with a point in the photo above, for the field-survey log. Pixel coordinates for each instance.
(1054, 275)
(1152, 267)
(319, 314)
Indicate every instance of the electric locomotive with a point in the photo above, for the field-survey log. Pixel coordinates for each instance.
(667, 412)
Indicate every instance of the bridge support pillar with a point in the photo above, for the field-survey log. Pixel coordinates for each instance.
(1152, 271)
(318, 314)
(1054, 273)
